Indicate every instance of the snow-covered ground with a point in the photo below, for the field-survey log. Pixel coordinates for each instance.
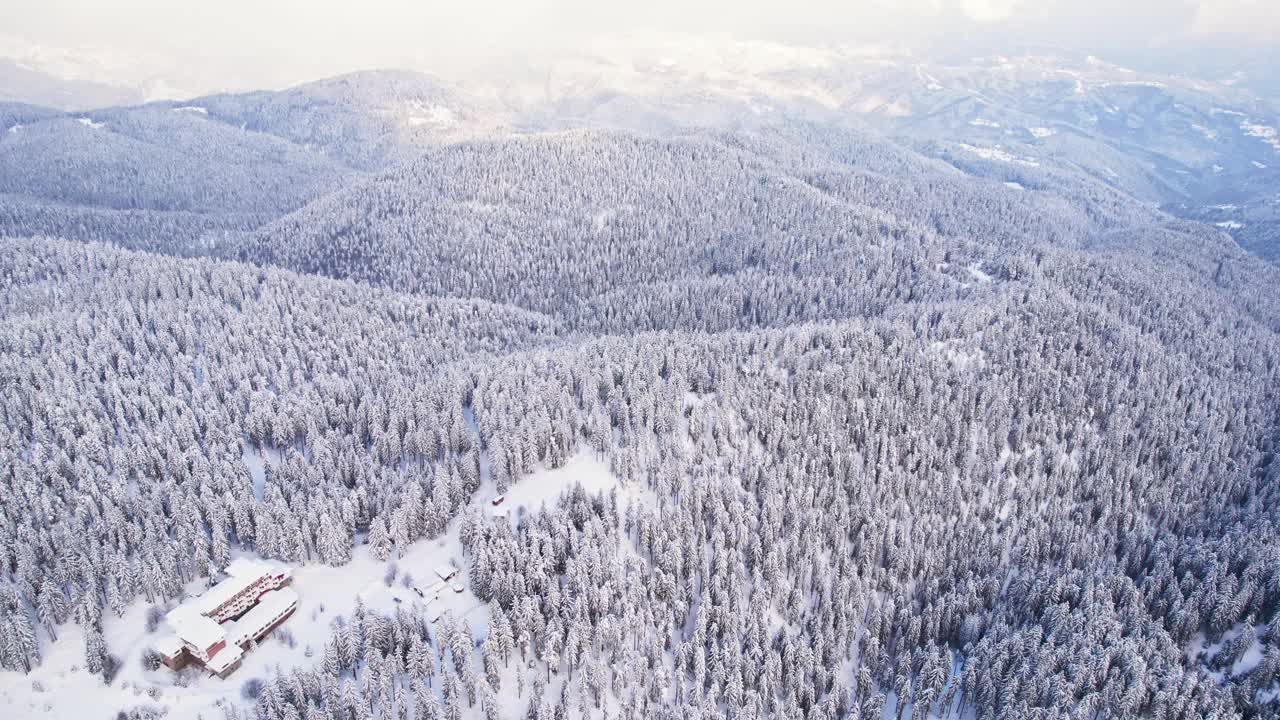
(979, 274)
(998, 155)
(1265, 133)
(418, 113)
(257, 469)
(61, 688)
(960, 357)
(88, 122)
(543, 487)
(1201, 650)
(1209, 134)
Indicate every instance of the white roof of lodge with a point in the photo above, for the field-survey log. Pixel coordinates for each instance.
(446, 571)
(169, 645)
(225, 658)
(241, 573)
(194, 627)
(256, 620)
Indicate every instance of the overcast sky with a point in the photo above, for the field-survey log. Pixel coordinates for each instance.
(270, 42)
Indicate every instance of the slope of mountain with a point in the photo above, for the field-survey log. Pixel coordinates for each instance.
(16, 115)
(618, 233)
(174, 176)
(161, 159)
(1192, 146)
(556, 222)
(365, 120)
(121, 174)
(1177, 141)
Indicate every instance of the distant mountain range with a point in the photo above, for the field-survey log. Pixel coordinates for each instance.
(25, 84)
(1205, 149)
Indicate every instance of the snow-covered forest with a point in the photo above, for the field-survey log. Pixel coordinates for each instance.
(795, 422)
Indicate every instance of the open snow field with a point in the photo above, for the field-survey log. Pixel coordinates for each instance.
(61, 688)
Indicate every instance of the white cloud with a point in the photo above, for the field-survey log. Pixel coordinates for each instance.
(237, 43)
(1254, 18)
(985, 11)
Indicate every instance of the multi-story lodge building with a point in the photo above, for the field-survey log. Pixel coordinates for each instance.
(216, 627)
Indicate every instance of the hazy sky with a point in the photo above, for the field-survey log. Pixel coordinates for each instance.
(268, 42)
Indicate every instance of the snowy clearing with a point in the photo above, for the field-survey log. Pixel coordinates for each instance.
(1042, 132)
(930, 82)
(959, 357)
(976, 271)
(88, 122)
(543, 487)
(998, 155)
(1211, 135)
(419, 113)
(1265, 133)
(1136, 83)
(1230, 225)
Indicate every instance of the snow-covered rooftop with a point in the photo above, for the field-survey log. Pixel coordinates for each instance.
(444, 572)
(225, 658)
(242, 573)
(169, 645)
(193, 627)
(269, 606)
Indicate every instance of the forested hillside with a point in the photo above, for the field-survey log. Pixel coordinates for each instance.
(624, 232)
(886, 434)
(176, 177)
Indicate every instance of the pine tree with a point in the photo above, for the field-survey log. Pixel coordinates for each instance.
(51, 607)
(95, 651)
(379, 540)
